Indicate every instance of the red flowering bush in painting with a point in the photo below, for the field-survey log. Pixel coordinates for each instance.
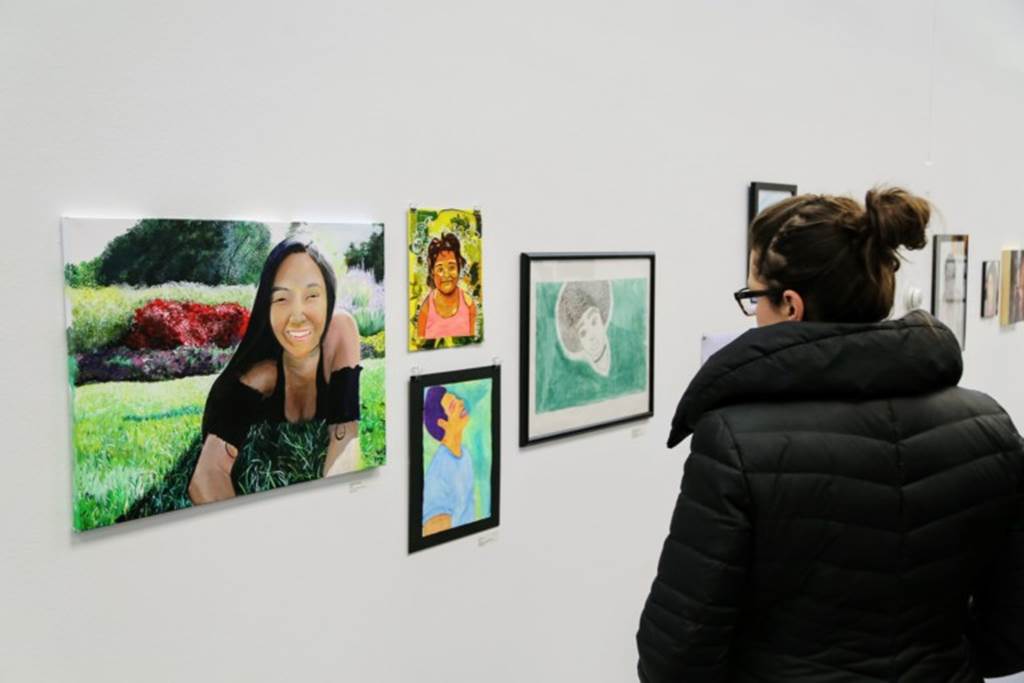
(162, 324)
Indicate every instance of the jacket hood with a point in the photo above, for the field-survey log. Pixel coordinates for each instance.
(853, 361)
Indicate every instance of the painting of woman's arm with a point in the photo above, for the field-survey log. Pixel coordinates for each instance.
(421, 319)
(211, 480)
(471, 332)
(341, 347)
(226, 419)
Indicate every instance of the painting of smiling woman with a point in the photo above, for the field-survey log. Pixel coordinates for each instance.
(298, 361)
(212, 359)
(445, 278)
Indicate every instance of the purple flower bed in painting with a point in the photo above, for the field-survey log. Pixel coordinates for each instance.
(362, 296)
(121, 364)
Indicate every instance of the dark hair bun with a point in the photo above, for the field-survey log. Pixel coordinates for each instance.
(896, 217)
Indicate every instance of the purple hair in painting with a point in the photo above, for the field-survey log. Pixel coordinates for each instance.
(434, 411)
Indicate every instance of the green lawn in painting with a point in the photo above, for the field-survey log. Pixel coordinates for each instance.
(476, 439)
(127, 435)
(563, 382)
(135, 444)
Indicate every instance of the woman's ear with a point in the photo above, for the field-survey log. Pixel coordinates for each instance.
(792, 305)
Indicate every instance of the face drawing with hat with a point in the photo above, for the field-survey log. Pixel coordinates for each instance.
(582, 312)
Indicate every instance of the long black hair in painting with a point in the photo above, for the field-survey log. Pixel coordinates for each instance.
(259, 342)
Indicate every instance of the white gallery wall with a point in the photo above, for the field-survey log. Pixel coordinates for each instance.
(573, 126)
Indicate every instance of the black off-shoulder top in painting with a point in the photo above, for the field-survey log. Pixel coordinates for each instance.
(232, 407)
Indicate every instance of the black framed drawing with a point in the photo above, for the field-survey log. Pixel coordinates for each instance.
(949, 283)
(586, 342)
(454, 455)
(760, 197)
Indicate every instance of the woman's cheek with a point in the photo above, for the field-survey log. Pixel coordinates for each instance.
(318, 314)
(277, 322)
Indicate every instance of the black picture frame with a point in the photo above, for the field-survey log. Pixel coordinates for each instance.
(526, 369)
(959, 327)
(753, 208)
(417, 385)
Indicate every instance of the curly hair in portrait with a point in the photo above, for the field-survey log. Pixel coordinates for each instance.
(575, 299)
(446, 242)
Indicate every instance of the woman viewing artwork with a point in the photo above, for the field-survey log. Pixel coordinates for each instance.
(298, 361)
(847, 512)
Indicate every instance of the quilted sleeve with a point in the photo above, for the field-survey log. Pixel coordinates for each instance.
(997, 606)
(687, 623)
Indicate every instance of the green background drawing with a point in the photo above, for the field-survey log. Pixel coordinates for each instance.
(564, 383)
(477, 438)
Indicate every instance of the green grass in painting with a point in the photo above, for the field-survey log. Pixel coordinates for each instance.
(372, 428)
(369, 321)
(136, 444)
(117, 456)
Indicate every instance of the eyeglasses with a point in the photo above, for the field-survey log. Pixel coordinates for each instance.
(747, 298)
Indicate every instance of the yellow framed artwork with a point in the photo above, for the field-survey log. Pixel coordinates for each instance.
(445, 278)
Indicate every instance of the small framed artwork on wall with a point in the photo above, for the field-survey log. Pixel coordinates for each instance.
(586, 342)
(763, 195)
(454, 455)
(990, 289)
(949, 283)
(1011, 304)
(446, 304)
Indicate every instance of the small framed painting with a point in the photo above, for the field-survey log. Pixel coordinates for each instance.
(446, 305)
(990, 289)
(586, 342)
(454, 455)
(763, 195)
(949, 283)
(1011, 305)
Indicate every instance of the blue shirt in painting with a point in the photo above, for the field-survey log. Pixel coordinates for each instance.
(448, 487)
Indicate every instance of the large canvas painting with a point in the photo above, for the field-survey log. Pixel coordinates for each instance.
(1011, 309)
(446, 306)
(949, 283)
(211, 359)
(586, 342)
(455, 459)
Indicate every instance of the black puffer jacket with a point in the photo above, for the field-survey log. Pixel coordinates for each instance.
(847, 514)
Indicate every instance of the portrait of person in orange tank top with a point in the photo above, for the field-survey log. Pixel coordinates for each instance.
(447, 310)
